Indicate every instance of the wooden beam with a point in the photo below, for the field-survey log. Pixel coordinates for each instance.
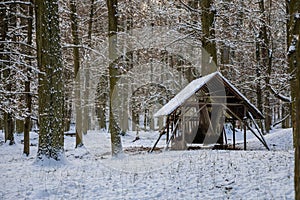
(232, 113)
(218, 97)
(245, 135)
(262, 141)
(260, 133)
(172, 134)
(168, 128)
(151, 150)
(245, 128)
(225, 136)
(197, 111)
(194, 104)
(233, 133)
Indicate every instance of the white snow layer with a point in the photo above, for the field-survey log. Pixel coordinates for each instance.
(91, 173)
(292, 49)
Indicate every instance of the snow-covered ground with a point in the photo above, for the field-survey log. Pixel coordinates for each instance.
(90, 172)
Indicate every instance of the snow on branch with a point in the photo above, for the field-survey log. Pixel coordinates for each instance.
(16, 2)
(278, 95)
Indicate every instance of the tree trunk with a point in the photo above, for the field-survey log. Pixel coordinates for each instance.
(259, 102)
(26, 149)
(291, 58)
(9, 122)
(19, 126)
(102, 96)
(68, 113)
(87, 108)
(116, 144)
(76, 58)
(297, 138)
(90, 31)
(51, 81)
(28, 100)
(294, 63)
(124, 107)
(266, 64)
(3, 35)
(91, 19)
(209, 55)
(9, 128)
(101, 101)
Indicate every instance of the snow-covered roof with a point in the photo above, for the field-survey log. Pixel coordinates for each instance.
(183, 95)
(195, 86)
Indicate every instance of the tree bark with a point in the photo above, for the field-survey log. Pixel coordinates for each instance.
(28, 100)
(116, 144)
(266, 63)
(9, 123)
(3, 35)
(297, 149)
(259, 101)
(102, 96)
(294, 63)
(19, 126)
(209, 56)
(91, 20)
(291, 58)
(87, 108)
(76, 59)
(51, 81)
(101, 101)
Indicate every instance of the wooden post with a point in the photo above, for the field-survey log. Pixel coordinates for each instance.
(233, 133)
(225, 136)
(167, 125)
(245, 135)
(245, 127)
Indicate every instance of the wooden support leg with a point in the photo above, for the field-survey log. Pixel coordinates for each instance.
(233, 134)
(225, 136)
(245, 136)
(168, 129)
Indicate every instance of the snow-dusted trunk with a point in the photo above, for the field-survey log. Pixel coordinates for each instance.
(8, 23)
(51, 81)
(297, 149)
(259, 101)
(291, 59)
(116, 144)
(266, 62)
(294, 62)
(3, 32)
(28, 99)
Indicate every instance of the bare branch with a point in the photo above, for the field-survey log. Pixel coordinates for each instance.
(278, 95)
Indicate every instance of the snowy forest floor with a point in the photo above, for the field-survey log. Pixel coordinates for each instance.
(90, 172)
